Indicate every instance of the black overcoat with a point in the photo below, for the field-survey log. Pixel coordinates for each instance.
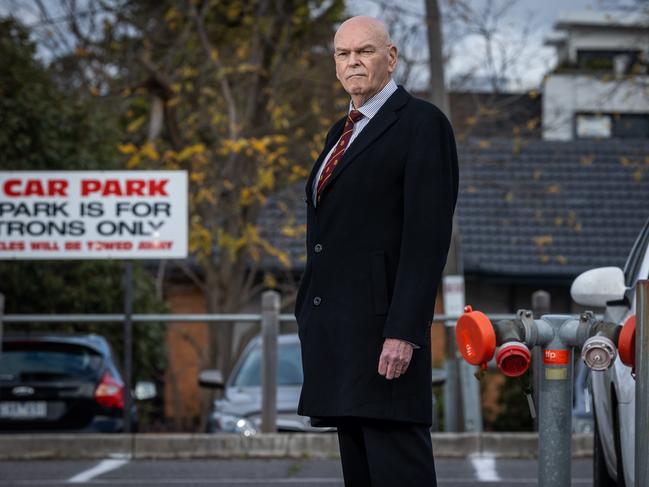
(376, 246)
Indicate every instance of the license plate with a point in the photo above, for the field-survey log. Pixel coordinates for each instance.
(23, 410)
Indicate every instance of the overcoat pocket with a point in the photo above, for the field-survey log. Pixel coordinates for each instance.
(379, 280)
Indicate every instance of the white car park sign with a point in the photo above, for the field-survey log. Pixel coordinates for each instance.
(93, 214)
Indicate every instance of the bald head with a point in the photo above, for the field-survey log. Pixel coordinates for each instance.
(365, 57)
(373, 28)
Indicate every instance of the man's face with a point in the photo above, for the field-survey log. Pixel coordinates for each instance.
(364, 60)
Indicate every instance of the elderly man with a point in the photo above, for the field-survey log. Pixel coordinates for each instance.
(380, 203)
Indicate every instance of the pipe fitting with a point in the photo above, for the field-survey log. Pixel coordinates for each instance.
(599, 352)
(513, 359)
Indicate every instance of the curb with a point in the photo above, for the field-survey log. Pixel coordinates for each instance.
(266, 445)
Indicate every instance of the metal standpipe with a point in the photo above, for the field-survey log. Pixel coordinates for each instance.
(557, 336)
(555, 407)
(642, 385)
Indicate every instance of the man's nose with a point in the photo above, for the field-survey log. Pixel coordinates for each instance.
(354, 58)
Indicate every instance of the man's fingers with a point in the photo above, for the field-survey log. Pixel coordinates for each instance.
(395, 358)
(390, 373)
(383, 364)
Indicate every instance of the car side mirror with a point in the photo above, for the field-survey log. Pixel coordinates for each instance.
(597, 287)
(144, 390)
(211, 378)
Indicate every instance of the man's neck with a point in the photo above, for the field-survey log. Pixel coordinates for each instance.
(360, 100)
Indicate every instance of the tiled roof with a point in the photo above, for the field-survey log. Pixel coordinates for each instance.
(529, 208)
(544, 208)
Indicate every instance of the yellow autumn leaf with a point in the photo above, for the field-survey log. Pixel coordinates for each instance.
(190, 151)
(543, 240)
(134, 161)
(149, 151)
(587, 160)
(484, 144)
(266, 178)
(270, 281)
(127, 148)
(245, 196)
(135, 124)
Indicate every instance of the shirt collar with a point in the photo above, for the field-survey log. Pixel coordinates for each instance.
(374, 104)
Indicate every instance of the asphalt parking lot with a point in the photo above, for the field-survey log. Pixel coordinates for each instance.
(116, 472)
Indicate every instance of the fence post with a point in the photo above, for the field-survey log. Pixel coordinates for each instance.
(2, 314)
(540, 306)
(270, 306)
(642, 384)
(128, 343)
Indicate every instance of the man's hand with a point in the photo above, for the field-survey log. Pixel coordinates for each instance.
(395, 358)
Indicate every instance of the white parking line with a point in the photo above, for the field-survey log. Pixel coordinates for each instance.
(295, 480)
(102, 467)
(485, 467)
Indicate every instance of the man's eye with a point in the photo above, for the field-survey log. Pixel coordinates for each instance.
(341, 55)
(366, 52)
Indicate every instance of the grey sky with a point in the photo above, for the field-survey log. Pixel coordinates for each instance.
(532, 59)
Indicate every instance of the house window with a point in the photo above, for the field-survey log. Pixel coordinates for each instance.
(607, 125)
(591, 125)
(631, 126)
(618, 61)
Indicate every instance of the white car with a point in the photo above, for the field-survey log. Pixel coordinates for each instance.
(614, 389)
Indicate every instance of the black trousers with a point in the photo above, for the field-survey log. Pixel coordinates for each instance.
(381, 453)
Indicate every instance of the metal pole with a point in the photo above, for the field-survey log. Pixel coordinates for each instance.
(540, 307)
(270, 304)
(471, 398)
(555, 410)
(642, 384)
(128, 343)
(451, 395)
(2, 312)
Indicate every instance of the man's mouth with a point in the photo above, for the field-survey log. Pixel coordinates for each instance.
(355, 76)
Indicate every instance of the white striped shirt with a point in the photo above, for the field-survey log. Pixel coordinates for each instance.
(369, 109)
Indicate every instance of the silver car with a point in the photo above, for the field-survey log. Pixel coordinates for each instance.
(239, 411)
(614, 389)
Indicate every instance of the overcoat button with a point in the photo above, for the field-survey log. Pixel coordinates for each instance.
(317, 300)
(317, 248)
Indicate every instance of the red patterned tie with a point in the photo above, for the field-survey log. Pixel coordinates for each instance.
(353, 117)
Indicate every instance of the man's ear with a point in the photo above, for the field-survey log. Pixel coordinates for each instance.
(392, 58)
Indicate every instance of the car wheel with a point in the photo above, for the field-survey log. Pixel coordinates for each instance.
(601, 478)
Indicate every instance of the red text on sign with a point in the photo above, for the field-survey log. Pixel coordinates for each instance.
(35, 187)
(128, 187)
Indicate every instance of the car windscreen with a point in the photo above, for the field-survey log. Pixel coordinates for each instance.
(46, 361)
(289, 367)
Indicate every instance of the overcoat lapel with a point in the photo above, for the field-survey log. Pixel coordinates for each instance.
(382, 121)
(336, 132)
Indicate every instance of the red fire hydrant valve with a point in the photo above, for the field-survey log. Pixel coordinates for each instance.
(475, 337)
(513, 359)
